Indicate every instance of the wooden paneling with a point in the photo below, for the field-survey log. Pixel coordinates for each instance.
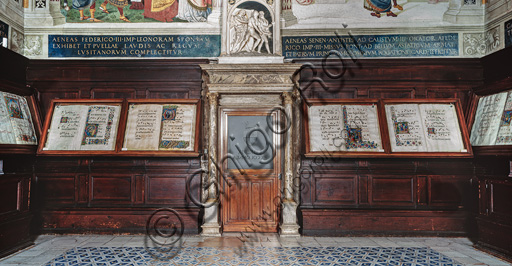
(105, 188)
(57, 187)
(115, 194)
(17, 161)
(336, 190)
(342, 222)
(447, 190)
(389, 196)
(162, 188)
(392, 190)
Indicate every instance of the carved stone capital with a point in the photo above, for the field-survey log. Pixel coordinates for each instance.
(287, 98)
(213, 98)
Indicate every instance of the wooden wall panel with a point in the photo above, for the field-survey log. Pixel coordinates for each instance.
(111, 188)
(9, 196)
(57, 187)
(88, 187)
(392, 190)
(17, 162)
(165, 189)
(336, 190)
(437, 192)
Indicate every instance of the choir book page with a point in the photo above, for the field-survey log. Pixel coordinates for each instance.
(67, 127)
(505, 131)
(143, 127)
(6, 131)
(325, 127)
(19, 119)
(487, 119)
(441, 128)
(178, 132)
(344, 128)
(405, 127)
(100, 129)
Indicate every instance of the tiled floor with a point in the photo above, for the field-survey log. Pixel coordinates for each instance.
(259, 249)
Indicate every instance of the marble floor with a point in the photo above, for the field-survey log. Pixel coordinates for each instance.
(257, 249)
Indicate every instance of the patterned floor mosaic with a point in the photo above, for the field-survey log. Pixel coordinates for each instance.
(364, 256)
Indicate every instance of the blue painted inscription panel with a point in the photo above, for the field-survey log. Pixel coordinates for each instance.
(133, 46)
(397, 45)
(508, 33)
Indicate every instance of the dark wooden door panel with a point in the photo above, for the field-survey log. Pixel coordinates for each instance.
(250, 202)
(249, 205)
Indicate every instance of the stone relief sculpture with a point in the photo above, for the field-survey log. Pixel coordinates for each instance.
(33, 45)
(249, 31)
(17, 42)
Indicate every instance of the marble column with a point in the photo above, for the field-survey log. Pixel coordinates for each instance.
(287, 16)
(57, 16)
(297, 118)
(465, 12)
(215, 17)
(289, 226)
(211, 225)
(38, 13)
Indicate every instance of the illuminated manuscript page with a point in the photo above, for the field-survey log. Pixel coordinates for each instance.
(405, 128)
(21, 119)
(361, 128)
(505, 131)
(441, 128)
(178, 130)
(67, 127)
(6, 130)
(143, 127)
(487, 119)
(100, 129)
(325, 127)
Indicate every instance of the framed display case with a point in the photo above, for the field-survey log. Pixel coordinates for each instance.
(386, 128)
(491, 124)
(78, 127)
(109, 127)
(19, 124)
(161, 127)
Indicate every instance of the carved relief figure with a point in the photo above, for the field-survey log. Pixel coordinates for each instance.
(239, 22)
(379, 6)
(264, 30)
(249, 30)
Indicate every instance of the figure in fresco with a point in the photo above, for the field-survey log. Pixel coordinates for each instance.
(83, 4)
(137, 5)
(161, 10)
(120, 4)
(380, 6)
(194, 10)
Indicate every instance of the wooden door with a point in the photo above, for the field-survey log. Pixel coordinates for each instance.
(251, 163)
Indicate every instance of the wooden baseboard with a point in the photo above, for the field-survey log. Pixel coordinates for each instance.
(15, 234)
(384, 222)
(109, 221)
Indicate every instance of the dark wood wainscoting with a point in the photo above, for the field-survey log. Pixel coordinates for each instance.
(389, 196)
(113, 194)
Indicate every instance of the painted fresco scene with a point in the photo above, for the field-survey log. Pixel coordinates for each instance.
(370, 13)
(127, 11)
